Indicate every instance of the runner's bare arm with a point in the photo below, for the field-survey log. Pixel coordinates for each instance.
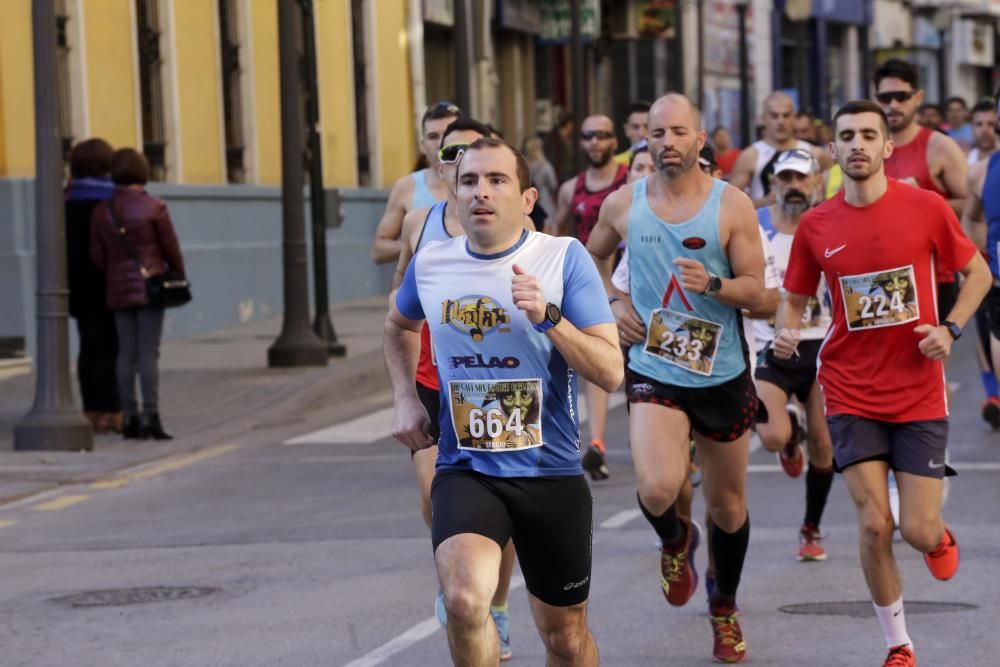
(611, 228)
(387, 244)
(949, 164)
(560, 225)
(593, 352)
(788, 322)
(401, 347)
(936, 341)
(768, 307)
(743, 172)
(413, 224)
(823, 157)
(972, 213)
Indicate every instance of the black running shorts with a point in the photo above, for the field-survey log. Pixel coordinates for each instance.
(946, 298)
(916, 447)
(550, 520)
(992, 306)
(722, 413)
(795, 376)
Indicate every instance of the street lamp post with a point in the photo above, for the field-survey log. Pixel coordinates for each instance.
(53, 422)
(741, 9)
(579, 83)
(297, 345)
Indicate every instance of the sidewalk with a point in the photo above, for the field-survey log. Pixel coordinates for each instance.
(213, 387)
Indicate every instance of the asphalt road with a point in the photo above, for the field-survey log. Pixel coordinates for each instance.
(315, 554)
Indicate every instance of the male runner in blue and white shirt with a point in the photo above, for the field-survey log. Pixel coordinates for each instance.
(514, 316)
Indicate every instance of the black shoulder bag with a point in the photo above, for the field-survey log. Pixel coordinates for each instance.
(167, 290)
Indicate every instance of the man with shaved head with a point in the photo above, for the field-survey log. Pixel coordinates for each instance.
(754, 168)
(578, 204)
(695, 261)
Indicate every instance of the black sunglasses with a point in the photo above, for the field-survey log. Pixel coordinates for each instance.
(795, 152)
(596, 134)
(897, 95)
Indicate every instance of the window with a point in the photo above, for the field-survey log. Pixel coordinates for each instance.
(154, 144)
(229, 35)
(62, 67)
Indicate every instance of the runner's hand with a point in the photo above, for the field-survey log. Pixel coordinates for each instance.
(631, 330)
(528, 295)
(786, 343)
(694, 277)
(936, 343)
(411, 425)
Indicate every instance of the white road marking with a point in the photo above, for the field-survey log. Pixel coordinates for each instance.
(418, 632)
(621, 518)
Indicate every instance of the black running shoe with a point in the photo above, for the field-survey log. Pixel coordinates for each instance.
(991, 412)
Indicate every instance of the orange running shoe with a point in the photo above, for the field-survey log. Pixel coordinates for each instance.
(900, 656)
(792, 459)
(942, 561)
(678, 577)
(729, 646)
(810, 543)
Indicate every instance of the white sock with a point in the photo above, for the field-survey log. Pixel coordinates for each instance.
(893, 622)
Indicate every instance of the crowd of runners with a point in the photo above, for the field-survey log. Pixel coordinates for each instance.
(812, 297)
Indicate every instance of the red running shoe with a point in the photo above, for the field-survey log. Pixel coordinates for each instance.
(900, 656)
(729, 646)
(678, 577)
(942, 561)
(810, 544)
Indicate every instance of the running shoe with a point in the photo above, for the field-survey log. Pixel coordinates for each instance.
(678, 576)
(594, 462)
(439, 610)
(943, 560)
(900, 656)
(810, 543)
(500, 619)
(991, 412)
(792, 457)
(729, 646)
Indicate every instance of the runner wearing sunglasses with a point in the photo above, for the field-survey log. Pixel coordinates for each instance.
(421, 189)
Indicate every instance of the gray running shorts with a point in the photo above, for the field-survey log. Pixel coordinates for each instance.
(916, 447)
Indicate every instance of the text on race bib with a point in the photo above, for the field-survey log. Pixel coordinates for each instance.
(683, 340)
(496, 415)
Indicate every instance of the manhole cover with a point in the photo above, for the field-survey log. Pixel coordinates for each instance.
(124, 596)
(863, 608)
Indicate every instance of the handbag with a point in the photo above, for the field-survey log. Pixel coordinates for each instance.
(166, 290)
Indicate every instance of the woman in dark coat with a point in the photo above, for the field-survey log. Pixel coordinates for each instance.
(134, 222)
(90, 184)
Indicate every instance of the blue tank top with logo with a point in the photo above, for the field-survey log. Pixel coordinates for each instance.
(422, 195)
(991, 211)
(692, 340)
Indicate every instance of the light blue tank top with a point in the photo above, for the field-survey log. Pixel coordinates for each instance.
(692, 340)
(991, 210)
(434, 228)
(422, 195)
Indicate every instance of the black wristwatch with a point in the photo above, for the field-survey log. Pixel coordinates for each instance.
(714, 285)
(953, 329)
(553, 316)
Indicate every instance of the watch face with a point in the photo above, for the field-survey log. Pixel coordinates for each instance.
(552, 313)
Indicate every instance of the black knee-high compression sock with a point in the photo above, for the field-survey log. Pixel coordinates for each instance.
(818, 483)
(667, 525)
(729, 550)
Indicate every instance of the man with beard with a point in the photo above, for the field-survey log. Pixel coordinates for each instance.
(882, 377)
(796, 183)
(694, 254)
(755, 166)
(984, 135)
(579, 203)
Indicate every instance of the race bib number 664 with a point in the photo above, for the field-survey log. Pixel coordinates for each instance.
(880, 299)
(496, 415)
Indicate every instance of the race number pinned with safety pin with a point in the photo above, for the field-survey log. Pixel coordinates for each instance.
(682, 339)
(880, 299)
(496, 415)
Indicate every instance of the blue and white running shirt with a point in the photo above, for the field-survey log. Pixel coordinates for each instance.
(508, 397)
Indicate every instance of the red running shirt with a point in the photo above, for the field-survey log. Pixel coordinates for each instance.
(586, 205)
(427, 373)
(879, 263)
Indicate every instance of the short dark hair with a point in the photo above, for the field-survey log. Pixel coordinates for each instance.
(987, 105)
(720, 128)
(129, 167)
(894, 68)
(951, 100)
(641, 147)
(90, 159)
(930, 105)
(806, 114)
(439, 111)
(639, 106)
(523, 172)
(465, 124)
(855, 107)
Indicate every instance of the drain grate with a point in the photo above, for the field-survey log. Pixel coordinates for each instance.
(863, 608)
(125, 596)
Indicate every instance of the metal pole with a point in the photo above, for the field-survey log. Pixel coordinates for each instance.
(297, 345)
(54, 422)
(322, 324)
(747, 138)
(463, 63)
(579, 84)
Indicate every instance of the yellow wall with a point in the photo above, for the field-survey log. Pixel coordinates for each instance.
(336, 84)
(17, 117)
(393, 113)
(267, 107)
(112, 86)
(199, 91)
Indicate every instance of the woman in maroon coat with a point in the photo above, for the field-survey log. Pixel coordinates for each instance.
(131, 223)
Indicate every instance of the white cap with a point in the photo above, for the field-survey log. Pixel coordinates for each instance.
(797, 159)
